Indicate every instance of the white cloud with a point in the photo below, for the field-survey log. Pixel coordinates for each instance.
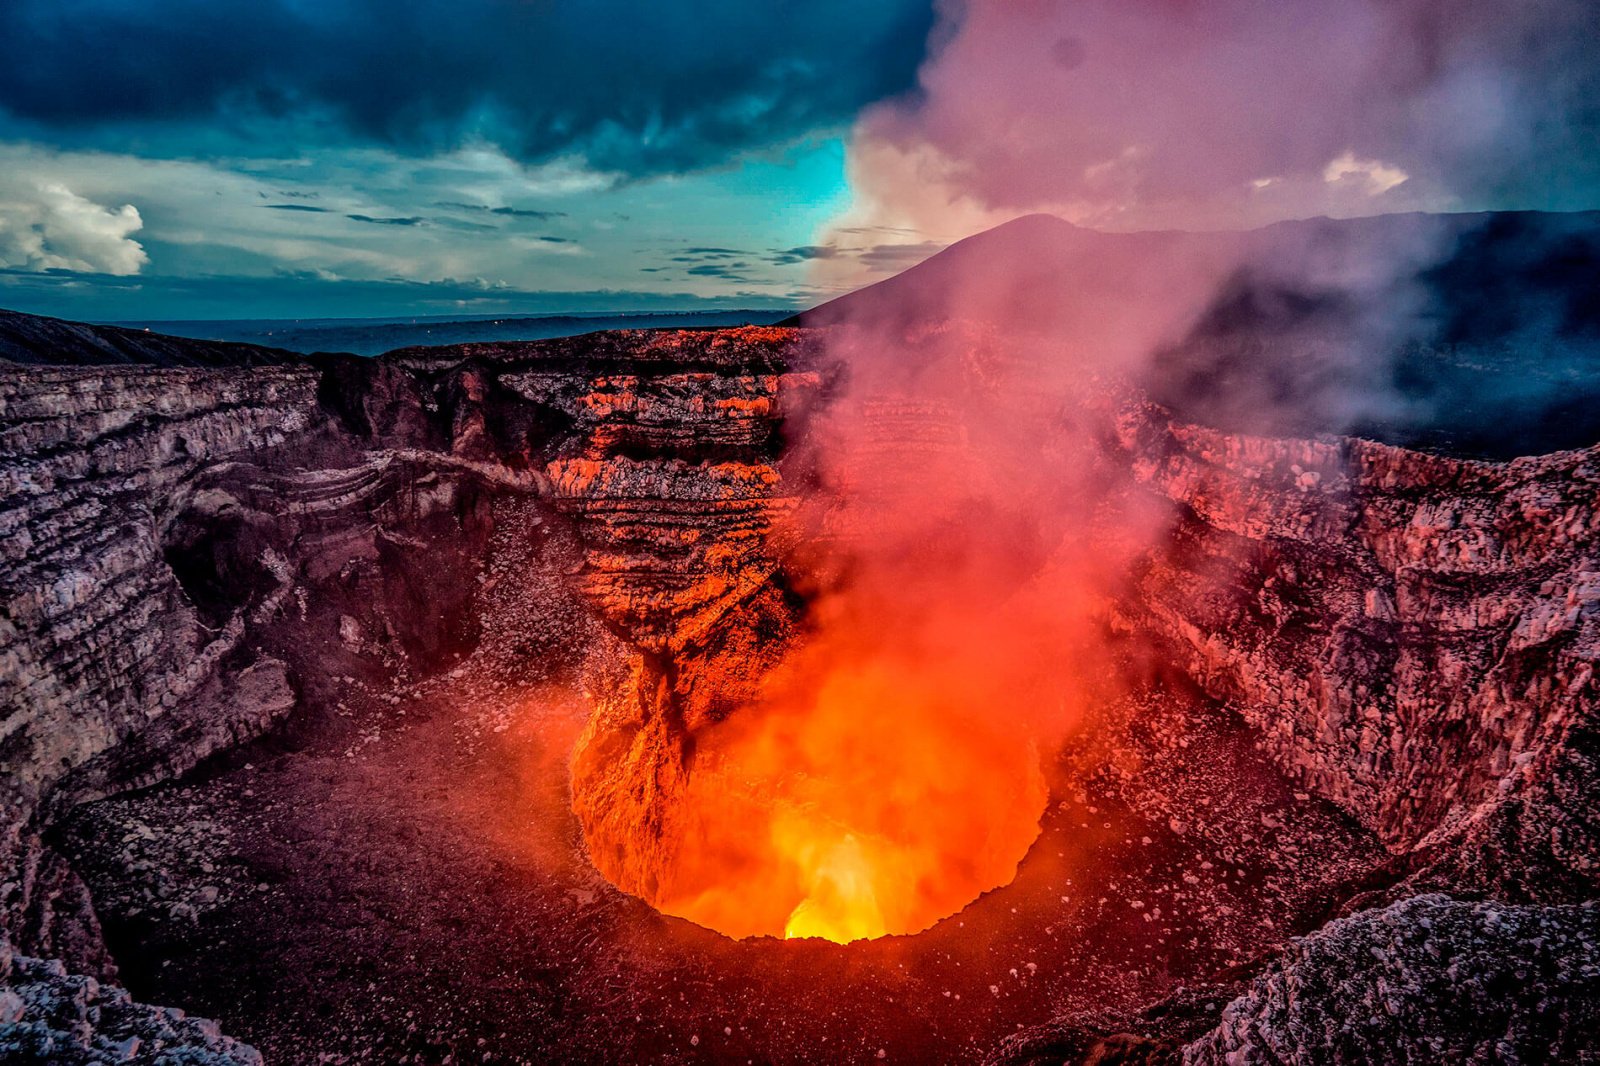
(477, 214)
(1374, 176)
(47, 226)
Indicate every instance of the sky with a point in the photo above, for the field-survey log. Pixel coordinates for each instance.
(318, 158)
(166, 159)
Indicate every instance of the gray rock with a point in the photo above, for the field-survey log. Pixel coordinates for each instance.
(50, 1016)
(1428, 980)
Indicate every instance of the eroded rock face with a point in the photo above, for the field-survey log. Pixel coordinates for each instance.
(669, 472)
(181, 550)
(93, 618)
(1415, 636)
(98, 637)
(670, 477)
(184, 550)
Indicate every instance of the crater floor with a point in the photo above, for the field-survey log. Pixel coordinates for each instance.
(393, 871)
(404, 880)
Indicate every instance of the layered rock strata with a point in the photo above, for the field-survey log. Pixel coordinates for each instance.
(185, 551)
(670, 477)
(1416, 637)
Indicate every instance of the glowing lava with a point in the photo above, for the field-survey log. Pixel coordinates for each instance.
(876, 803)
(855, 752)
(841, 902)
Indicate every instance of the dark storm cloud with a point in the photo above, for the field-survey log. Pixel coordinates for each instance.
(463, 226)
(634, 86)
(717, 257)
(805, 254)
(863, 230)
(715, 262)
(507, 212)
(727, 271)
(410, 220)
(897, 256)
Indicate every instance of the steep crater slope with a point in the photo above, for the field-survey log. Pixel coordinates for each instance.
(34, 340)
(405, 575)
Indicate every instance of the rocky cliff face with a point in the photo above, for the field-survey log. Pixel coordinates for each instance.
(188, 553)
(669, 475)
(100, 640)
(1416, 637)
(186, 550)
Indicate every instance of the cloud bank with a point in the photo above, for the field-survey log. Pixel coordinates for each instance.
(630, 86)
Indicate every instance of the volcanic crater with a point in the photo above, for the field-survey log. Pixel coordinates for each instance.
(400, 709)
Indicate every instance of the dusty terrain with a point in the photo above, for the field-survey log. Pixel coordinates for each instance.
(411, 883)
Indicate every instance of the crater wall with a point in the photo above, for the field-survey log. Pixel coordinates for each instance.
(187, 550)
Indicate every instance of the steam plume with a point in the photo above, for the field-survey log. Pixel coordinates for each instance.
(1165, 113)
(971, 518)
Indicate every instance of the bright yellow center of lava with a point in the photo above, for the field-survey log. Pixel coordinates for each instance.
(818, 820)
(841, 903)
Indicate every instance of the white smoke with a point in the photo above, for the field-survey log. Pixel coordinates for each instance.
(1157, 114)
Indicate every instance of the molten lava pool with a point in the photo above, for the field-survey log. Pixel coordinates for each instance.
(827, 824)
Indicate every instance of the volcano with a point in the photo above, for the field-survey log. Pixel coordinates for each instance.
(905, 684)
(1490, 329)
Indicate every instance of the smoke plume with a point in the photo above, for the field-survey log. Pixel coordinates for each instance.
(970, 517)
(1167, 113)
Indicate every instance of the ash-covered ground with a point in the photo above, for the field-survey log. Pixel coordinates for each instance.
(396, 876)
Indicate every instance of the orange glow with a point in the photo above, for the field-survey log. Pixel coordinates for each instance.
(874, 765)
(873, 792)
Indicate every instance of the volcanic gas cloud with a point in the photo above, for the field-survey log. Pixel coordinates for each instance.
(952, 539)
(876, 763)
